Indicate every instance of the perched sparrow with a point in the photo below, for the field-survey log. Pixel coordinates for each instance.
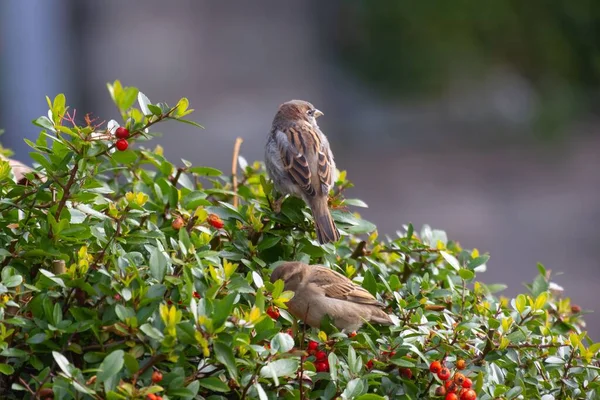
(319, 291)
(299, 161)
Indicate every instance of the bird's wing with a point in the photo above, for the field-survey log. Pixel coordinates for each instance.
(294, 146)
(337, 286)
(324, 170)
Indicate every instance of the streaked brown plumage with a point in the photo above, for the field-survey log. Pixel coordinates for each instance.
(300, 162)
(320, 291)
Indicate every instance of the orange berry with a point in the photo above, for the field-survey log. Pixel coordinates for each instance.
(459, 378)
(435, 367)
(440, 391)
(151, 396)
(177, 223)
(461, 364)
(352, 334)
(215, 221)
(451, 396)
(450, 386)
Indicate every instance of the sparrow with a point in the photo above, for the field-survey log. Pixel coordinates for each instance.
(300, 163)
(320, 291)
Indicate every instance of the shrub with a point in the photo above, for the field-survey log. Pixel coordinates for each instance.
(125, 276)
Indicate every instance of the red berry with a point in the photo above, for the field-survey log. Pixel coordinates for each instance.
(369, 364)
(215, 221)
(451, 396)
(322, 366)
(151, 396)
(461, 364)
(352, 334)
(122, 133)
(157, 376)
(406, 373)
(122, 145)
(440, 391)
(575, 309)
(312, 345)
(273, 312)
(290, 332)
(467, 383)
(444, 374)
(196, 295)
(321, 355)
(435, 367)
(117, 297)
(468, 394)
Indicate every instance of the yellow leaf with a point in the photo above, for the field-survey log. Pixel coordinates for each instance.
(541, 300)
(158, 150)
(229, 268)
(504, 342)
(322, 336)
(254, 314)
(475, 253)
(521, 303)
(130, 197)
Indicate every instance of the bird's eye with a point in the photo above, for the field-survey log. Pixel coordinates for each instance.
(311, 112)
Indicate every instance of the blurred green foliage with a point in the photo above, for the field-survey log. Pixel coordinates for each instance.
(404, 47)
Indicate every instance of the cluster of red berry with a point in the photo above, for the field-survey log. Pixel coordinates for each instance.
(322, 363)
(122, 135)
(459, 387)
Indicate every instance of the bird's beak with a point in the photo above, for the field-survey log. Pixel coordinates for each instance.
(318, 113)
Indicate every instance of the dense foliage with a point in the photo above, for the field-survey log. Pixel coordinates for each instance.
(125, 276)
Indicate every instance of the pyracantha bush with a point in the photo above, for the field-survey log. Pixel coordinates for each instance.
(125, 276)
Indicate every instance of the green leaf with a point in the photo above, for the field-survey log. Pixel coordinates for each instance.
(280, 368)
(12, 281)
(112, 365)
(466, 274)
(223, 309)
(158, 263)
(62, 363)
(224, 355)
(6, 369)
(369, 283)
(353, 388)
(282, 343)
(213, 383)
(450, 259)
(370, 396)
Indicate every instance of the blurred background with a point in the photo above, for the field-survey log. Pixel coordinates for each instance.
(481, 121)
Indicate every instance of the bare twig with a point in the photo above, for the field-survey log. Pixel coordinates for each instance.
(234, 162)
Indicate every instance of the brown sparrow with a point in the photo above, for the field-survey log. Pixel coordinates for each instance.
(300, 162)
(319, 291)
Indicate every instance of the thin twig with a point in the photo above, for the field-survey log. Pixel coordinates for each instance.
(234, 162)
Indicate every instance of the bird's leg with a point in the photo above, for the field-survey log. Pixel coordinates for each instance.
(276, 204)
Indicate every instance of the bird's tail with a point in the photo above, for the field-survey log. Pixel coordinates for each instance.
(381, 317)
(324, 225)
